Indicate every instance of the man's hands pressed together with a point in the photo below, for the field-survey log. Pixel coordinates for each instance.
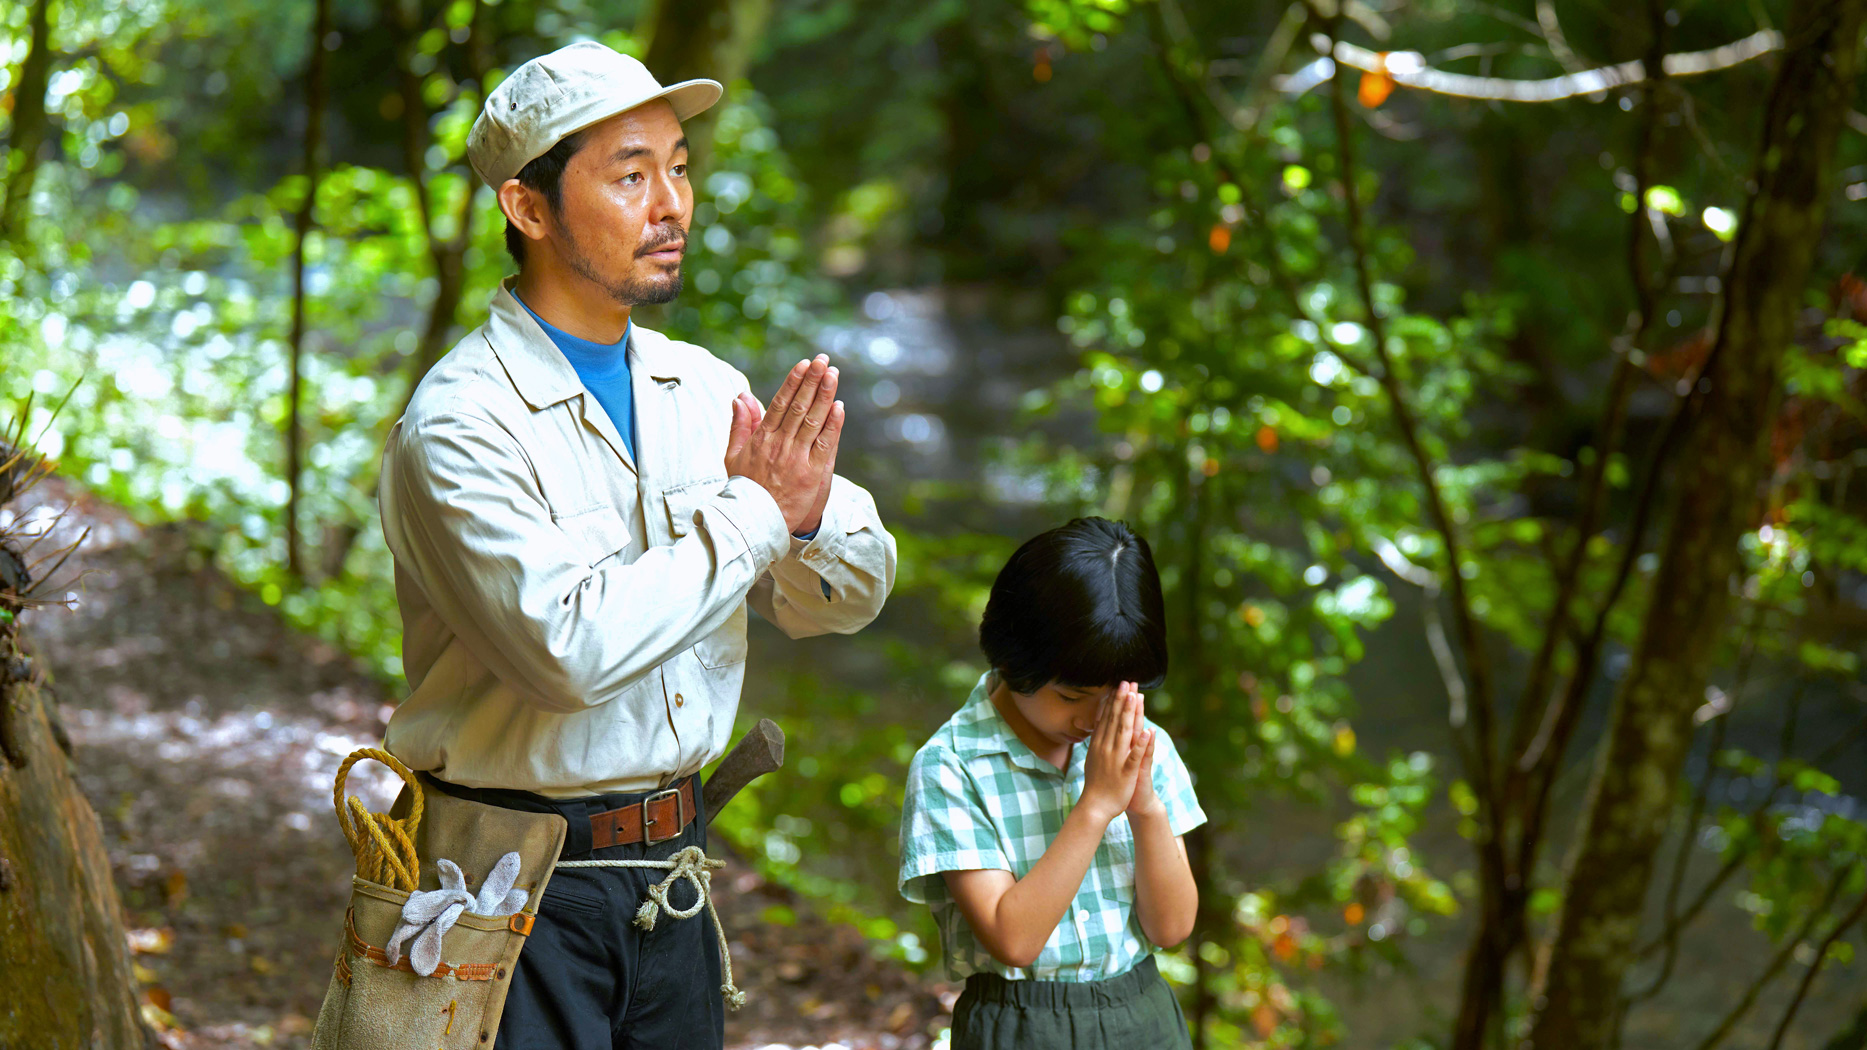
(790, 448)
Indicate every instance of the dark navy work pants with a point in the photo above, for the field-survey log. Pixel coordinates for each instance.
(588, 977)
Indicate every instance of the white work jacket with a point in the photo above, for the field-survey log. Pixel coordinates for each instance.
(573, 617)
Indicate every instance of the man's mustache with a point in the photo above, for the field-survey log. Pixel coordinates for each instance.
(675, 235)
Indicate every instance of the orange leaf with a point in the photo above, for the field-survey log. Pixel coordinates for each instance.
(1376, 85)
(1284, 947)
(1220, 239)
(1353, 914)
(1264, 1020)
(1267, 438)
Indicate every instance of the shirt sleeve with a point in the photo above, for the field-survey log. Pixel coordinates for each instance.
(464, 515)
(836, 580)
(944, 827)
(1174, 785)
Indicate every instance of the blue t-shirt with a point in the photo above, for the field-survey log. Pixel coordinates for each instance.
(604, 370)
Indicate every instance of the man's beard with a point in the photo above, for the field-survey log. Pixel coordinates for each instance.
(630, 291)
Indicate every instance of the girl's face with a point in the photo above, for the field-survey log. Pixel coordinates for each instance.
(1061, 714)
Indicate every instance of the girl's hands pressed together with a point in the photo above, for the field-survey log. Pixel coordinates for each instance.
(1144, 803)
(1113, 760)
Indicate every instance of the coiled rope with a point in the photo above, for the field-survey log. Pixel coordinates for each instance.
(384, 846)
(385, 852)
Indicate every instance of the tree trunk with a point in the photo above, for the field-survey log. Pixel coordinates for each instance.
(21, 160)
(64, 961)
(314, 143)
(1578, 979)
(703, 38)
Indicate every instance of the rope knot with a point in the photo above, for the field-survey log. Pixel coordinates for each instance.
(693, 864)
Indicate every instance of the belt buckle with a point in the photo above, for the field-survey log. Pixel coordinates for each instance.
(680, 816)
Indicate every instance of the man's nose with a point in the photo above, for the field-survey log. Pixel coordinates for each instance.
(668, 203)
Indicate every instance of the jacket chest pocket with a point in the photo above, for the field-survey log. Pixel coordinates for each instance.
(597, 533)
(727, 644)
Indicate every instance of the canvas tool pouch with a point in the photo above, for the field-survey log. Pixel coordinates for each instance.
(374, 1006)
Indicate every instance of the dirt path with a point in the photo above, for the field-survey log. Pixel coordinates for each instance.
(206, 734)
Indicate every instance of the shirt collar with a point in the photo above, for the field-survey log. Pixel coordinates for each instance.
(538, 368)
(981, 730)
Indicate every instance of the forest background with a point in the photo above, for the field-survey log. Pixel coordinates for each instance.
(1487, 376)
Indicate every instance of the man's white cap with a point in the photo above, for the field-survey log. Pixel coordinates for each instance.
(564, 92)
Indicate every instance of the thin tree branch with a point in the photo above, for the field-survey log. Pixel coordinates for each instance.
(1620, 388)
(1688, 838)
(1552, 35)
(1777, 962)
(307, 209)
(1821, 957)
(1476, 664)
(1669, 935)
(1409, 69)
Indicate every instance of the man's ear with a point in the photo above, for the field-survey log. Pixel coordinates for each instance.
(524, 209)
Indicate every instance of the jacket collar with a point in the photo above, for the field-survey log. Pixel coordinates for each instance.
(539, 371)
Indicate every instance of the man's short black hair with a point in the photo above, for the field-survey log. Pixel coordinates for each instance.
(544, 174)
(1079, 605)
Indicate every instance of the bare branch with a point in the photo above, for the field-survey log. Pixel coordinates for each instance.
(1409, 69)
(1552, 33)
(1476, 665)
(1821, 956)
(1777, 962)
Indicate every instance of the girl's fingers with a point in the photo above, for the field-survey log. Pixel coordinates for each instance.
(1100, 734)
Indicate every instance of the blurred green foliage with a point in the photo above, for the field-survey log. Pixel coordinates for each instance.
(1200, 286)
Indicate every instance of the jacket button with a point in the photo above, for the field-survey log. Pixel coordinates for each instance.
(679, 700)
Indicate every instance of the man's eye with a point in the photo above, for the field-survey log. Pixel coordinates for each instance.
(632, 178)
(680, 170)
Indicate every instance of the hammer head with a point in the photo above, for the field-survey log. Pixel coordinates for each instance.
(757, 753)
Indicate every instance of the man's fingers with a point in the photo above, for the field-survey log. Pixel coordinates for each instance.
(808, 387)
(782, 399)
(741, 432)
(823, 450)
(826, 398)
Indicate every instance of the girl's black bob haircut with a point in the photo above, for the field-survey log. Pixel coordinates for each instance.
(1079, 605)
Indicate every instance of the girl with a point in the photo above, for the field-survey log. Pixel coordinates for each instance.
(1043, 821)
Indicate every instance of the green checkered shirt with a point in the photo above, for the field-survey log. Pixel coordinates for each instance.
(977, 797)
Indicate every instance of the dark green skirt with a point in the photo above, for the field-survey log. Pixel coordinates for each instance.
(1128, 1012)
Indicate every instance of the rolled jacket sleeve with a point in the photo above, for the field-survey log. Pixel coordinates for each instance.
(836, 582)
(466, 517)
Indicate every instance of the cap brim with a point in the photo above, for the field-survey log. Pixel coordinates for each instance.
(690, 97)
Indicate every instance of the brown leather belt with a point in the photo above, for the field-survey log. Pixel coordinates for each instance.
(657, 818)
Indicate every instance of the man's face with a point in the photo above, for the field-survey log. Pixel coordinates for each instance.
(626, 203)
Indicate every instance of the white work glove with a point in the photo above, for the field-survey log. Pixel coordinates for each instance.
(427, 916)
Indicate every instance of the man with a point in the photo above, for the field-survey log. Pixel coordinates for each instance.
(580, 511)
